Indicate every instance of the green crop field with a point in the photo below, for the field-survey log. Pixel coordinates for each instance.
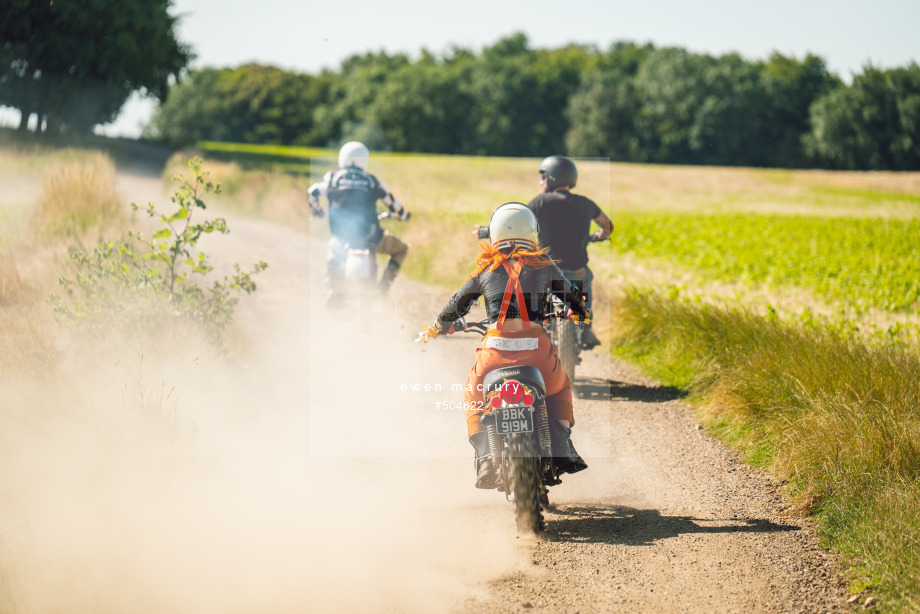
(846, 240)
(863, 262)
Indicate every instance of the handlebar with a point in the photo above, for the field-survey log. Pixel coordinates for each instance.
(478, 327)
(482, 232)
(559, 311)
(460, 325)
(482, 326)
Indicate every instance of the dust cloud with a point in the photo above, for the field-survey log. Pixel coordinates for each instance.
(152, 474)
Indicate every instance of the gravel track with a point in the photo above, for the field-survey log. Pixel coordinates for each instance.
(666, 519)
(669, 521)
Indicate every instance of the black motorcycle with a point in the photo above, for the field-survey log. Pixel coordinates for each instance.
(518, 428)
(565, 335)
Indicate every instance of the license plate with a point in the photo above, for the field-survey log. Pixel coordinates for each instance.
(514, 420)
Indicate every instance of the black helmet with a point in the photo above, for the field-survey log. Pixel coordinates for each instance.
(560, 172)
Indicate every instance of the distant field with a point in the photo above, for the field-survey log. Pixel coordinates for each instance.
(844, 239)
(295, 160)
(863, 262)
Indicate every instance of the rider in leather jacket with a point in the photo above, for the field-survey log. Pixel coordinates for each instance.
(513, 276)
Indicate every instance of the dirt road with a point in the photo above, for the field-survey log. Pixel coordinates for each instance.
(669, 521)
(331, 472)
(665, 520)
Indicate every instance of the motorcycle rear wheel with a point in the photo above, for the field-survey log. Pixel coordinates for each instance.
(525, 485)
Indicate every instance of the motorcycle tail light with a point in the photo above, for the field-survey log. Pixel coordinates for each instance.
(509, 393)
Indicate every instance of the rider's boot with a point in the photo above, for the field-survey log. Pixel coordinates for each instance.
(486, 476)
(389, 274)
(588, 339)
(564, 454)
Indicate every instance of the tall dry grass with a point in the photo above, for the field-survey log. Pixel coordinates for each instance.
(838, 417)
(79, 196)
(78, 203)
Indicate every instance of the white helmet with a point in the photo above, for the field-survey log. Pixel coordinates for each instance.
(513, 225)
(354, 153)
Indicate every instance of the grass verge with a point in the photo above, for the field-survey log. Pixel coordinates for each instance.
(835, 416)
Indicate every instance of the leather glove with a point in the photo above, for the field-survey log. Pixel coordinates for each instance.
(574, 317)
(430, 332)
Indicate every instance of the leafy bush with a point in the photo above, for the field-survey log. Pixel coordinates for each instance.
(139, 277)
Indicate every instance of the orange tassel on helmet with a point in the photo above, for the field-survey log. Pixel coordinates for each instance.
(491, 258)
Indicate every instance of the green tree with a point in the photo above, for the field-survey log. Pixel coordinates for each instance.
(345, 114)
(631, 102)
(602, 112)
(423, 107)
(874, 124)
(521, 96)
(75, 62)
(602, 115)
(251, 103)
(559, 73)
(701, 109)
(193, 111)
(792, 86)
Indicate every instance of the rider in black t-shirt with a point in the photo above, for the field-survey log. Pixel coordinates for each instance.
(565, 221)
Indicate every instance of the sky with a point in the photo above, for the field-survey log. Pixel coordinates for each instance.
(308, 36)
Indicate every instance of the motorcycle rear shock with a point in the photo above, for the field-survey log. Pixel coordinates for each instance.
(495, 444)
(542, 423)
(547, 469)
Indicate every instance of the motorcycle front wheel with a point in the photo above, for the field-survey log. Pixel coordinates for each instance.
(566, 346)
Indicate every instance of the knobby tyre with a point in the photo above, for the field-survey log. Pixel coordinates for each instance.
(566, 347)
(525, 484)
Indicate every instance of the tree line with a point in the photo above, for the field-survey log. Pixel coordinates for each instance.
(631, 102)
(73, 64)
